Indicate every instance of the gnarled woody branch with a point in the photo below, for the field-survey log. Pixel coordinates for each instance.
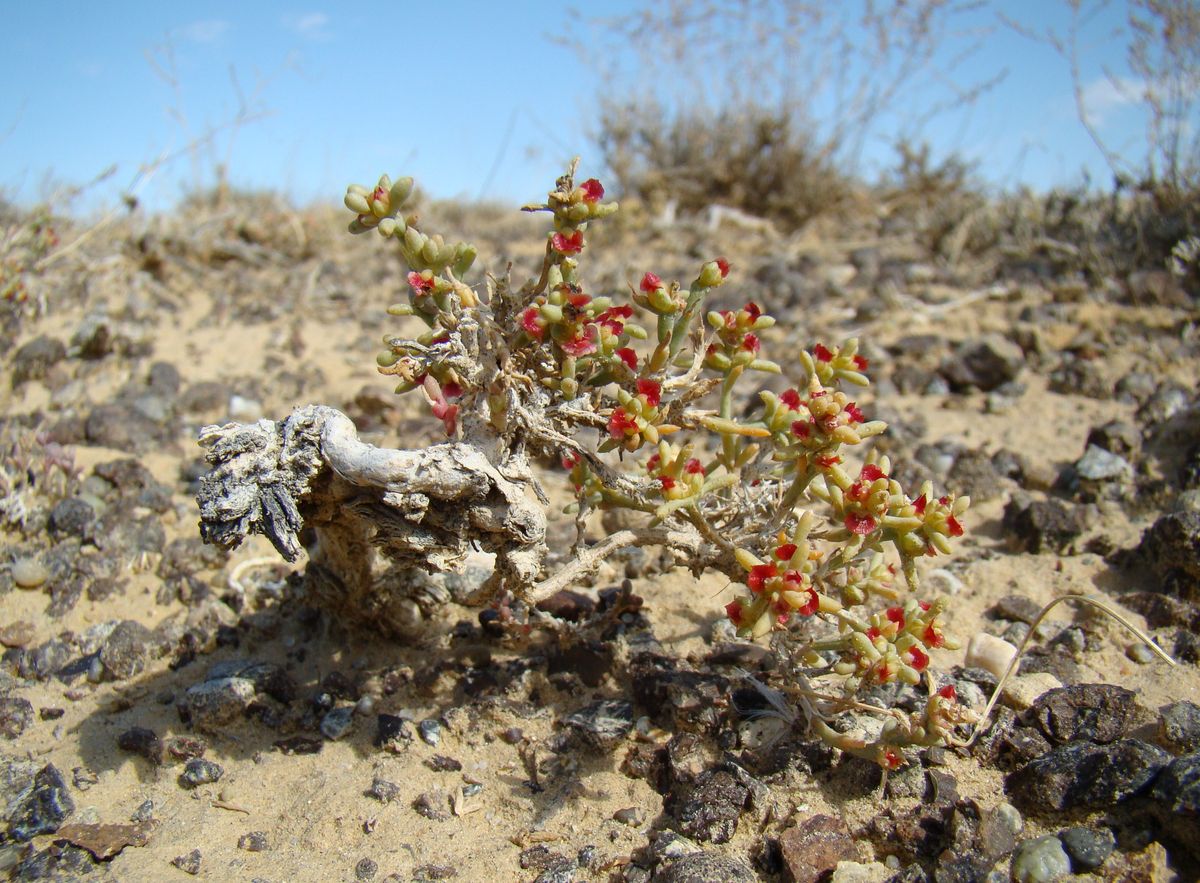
(421, 509)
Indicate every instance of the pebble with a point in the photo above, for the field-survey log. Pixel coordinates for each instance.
(705, 867)
(29, 573)
(366, 869)
(1041, 525)
(1040, 860)
(1178, 786)
(15, 715)
(630, 815)
(124, 651)
(143, 742)
(18, 634)
(383, 790)
(857, 872)
(1095, 712)
(1087, 848)
(711, 812)
(1173, 543)
(190, 863)
(1179, 726)
(392, 732)
(603, 724)
(984, 363)
(813, 848)
(432, 805)
(253, 841)
(337, 722)
(35, 358)
(212, 704)
(41, 807)
(990, 653)
(431, 732)
(198, 771)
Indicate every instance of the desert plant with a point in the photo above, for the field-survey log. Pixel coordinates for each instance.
(645, 420)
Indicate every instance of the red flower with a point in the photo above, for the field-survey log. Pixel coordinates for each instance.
(786, 551)
(620, 424)
(759, 574)
(564, 244)
(448, 414)
(828, 460)
(956, 529)
(666, 481)
(801, 429)
(892, 759)
(919, 504)
(571, 459)
(628, 356)
(873, 633)
(917, 658)
(650, 282)
(750, 343)
(577, 298)
(452, 390)
(693, 467)
(653, 462)
(811, 606)
(860, 524)
(853, 412)
(582, 343)
(932, 637)
(791, 398)
(860, 363)
(948, 692)
(753, 310)
(723, 265)
(871, 472)
(896, 615)
(734, 610)
(652, 390)
(420, 285)
(593, 190)
(529, 321)
(822, 353)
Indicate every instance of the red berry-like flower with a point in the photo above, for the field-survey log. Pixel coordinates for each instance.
(652, 390)
(724, 266)
(917, 658)
(853, 412)
(896, 615)
(753, 310)
(620, 423)
(956, 529)
(801, 429)
(650, 282)
(564, 244)
(628, 356)
(529, 321)
(693, 467)
(581, 344)
(791, 398)
(859, 523)
(571, 459)
(593, 190)
(452, 390)
(750, 343)
(822, 353)
(812, 605)
(932, 636)
(666, 481)
(919, 504)
(948, 692)
(786, 551)
(871, 472)
(734, 610)
(826, 461)
(759, 574)
(860, 363)
(420, 285)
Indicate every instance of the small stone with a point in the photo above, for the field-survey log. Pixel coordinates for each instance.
(35, 358)
(1179, 726)
(104, 841)
(144, 812)
(432, 805)
(29, 573)
(1017, 608)
(383, 790)
(18, 634)
(83, 778)
(366, 869)
(41, 807)
(603, 724)
(1083, 774)
(984, 363)
(72, 517)
(1172, 543)
(630, 815)
(198, 771)
(431, 732)
(440, 763)
(1087, 848)
(212, 704)
(860, 872)
(1040, 860)
(15, 715)
(1178, 786)
(337, 722)
(1095, 712)
(1117, 437)
(568, 606)
(392, 733)
(813, 848)
(253, 841)
(190, 863)
(1100, 465)
(143, 742)
(990, 653)
(124, 652)
(705, 867)
(1041, 525)
(711, 812)
(998, 829)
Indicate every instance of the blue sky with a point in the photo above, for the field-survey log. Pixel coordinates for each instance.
(473, 98)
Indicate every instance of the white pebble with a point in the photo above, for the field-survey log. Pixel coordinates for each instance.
(29, 573)
(990, 653)
(1021, 692)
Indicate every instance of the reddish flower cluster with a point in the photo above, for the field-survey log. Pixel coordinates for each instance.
(564, 244)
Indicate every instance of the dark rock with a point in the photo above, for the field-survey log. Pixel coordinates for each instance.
(337, 722)
(186, 747)
(198, 771)
(366, 869)
(603, 724)
(383, 790)
(1116, 437)
(1189, 471)
(1187, 646)
(1083, 774)
(710, 813)
(124, 651)
(190, 863)
(267, 677)
(15, 715)
(1172, 543)
(1135, 387)
(705, 867)
(996, 830)
(1163, 610)
(299, 745)
(72, 517)
(1095, 712)
(432, 805)
(135, 483)
(963, 867)
(393, 733)
(1164, 403)
(812, 849)
(542, 858)
(1087, 848)
(1177, 787)
(678, 698)
(590, 661)
(431, 732)
(35, 358)
(973, 474)
(121, 427)
(431, 871)
(1016, 608)
(1041, 525)
(1179, 726)
(254, 841)
(122, 534)
(751, 657)
(45, 660)
(58, 861)
(143, 742)
(983, 363)
(41, 807)
(164, 377)
(569, 606)
(440, 763)
(1081, 378)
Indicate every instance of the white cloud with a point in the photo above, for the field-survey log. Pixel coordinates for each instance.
(1104, 95)
(310, 25)
(206, 31)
